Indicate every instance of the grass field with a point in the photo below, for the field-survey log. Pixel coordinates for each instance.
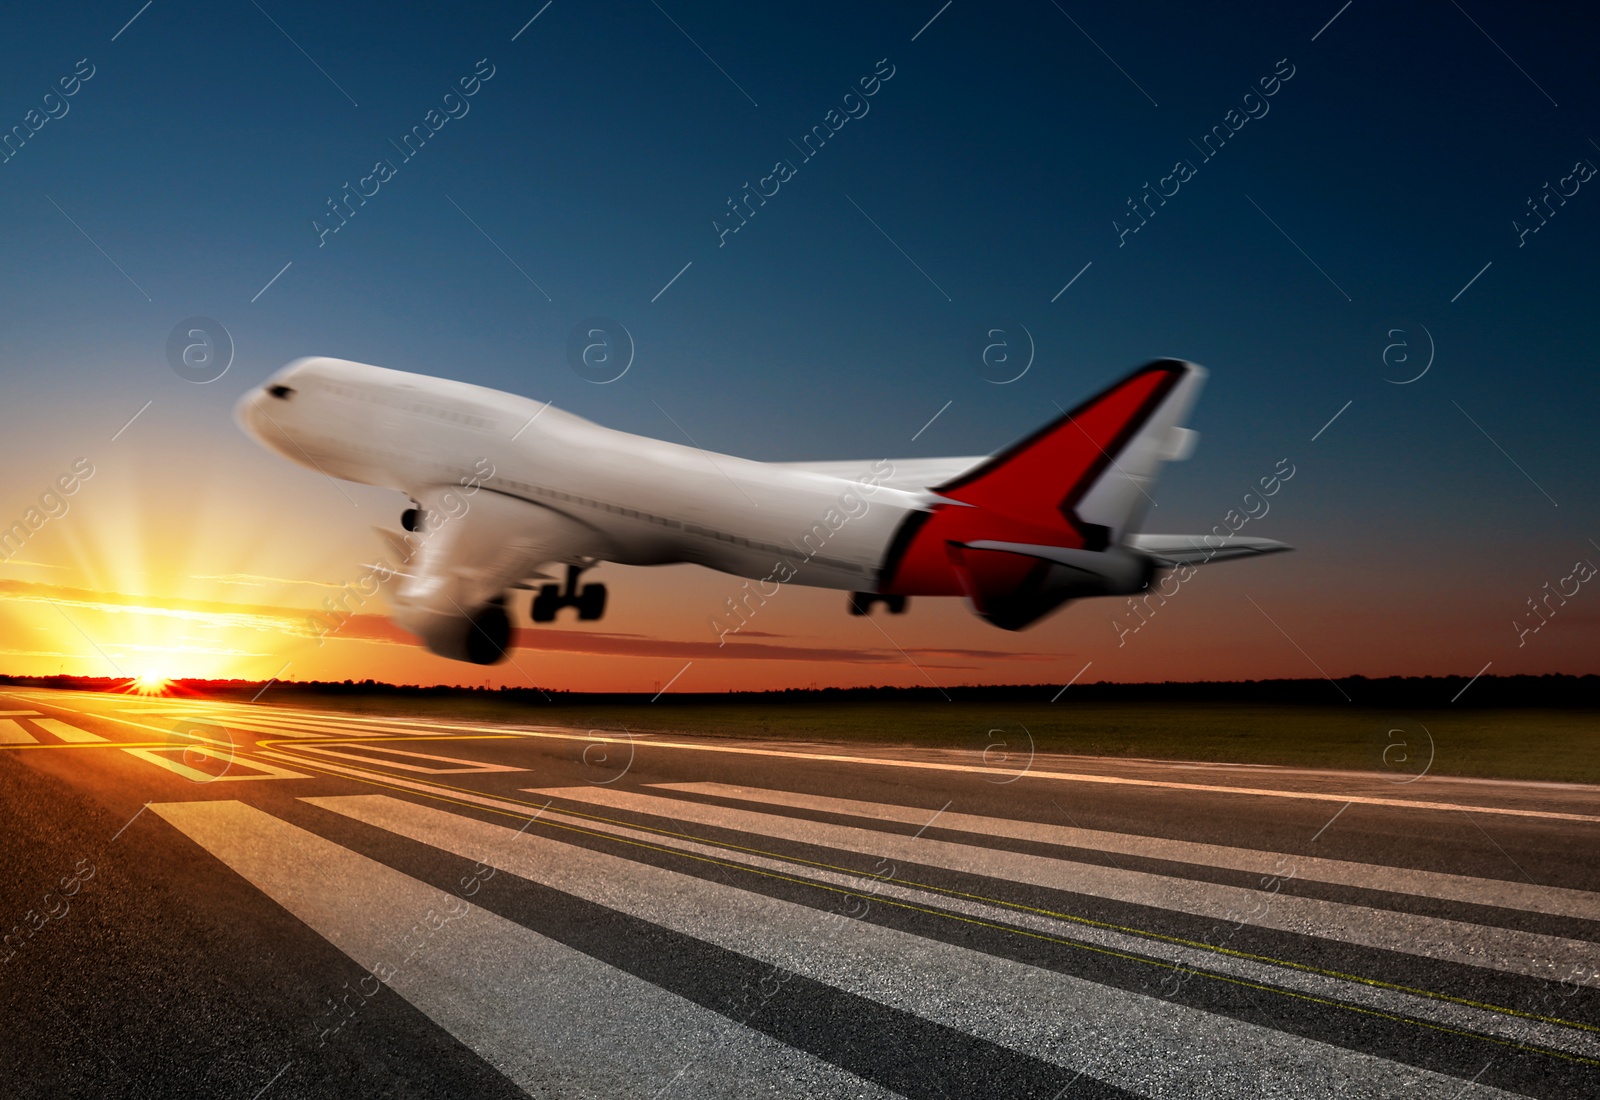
(1562, 745)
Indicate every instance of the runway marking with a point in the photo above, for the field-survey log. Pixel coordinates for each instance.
(494, 984)
(1153, 1044)
(12, 733)
(1504, 893)
(280, 729)
(978, 769)
(528, 812)
(235, 770)
(66, 730)
(463, 766)
(1509, 950)
(446, 729)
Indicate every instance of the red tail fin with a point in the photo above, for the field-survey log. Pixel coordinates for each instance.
(1041, 479)
(1076, 483)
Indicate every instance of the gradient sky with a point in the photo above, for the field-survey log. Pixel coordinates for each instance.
(986, 174)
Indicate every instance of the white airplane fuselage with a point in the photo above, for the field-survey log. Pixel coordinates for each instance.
(650, 502)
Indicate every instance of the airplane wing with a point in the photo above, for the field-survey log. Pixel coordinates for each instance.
(450, 585)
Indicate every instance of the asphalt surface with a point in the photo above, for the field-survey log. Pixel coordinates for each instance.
(227, 900)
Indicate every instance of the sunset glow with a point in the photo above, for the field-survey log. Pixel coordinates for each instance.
(150, 683)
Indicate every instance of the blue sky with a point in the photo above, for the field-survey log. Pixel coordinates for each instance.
(986, 173)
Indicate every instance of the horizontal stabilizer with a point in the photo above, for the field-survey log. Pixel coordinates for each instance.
(1199, 549)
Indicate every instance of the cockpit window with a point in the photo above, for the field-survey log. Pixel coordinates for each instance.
(282, 393)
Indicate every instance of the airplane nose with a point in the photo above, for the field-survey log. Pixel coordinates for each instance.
(247, 413)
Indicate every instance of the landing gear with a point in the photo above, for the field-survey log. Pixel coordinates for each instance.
(861, 603)
(590, 600)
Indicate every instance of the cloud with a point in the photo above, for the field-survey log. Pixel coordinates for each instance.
(277, 620)
(257, 580)
(748, 645)
(376, 628)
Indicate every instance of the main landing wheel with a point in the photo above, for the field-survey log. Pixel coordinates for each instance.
(592, 603)
(590, 600)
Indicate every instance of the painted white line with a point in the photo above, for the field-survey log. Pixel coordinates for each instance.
(1144, 1043)
(405, 726)
(66, 730)
(1404, 880)
(461, 766)
(873, 883)
(1504, 949)
(231, 770)
(12, 733)
(536, 1010)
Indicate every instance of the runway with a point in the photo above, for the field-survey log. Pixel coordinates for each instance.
(242, 900)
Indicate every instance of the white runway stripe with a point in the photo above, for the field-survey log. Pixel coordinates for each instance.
(254, 725)
(1404, 880)
(552, 1019)
(66, 730)
(591, 737)
(12, 733)
(1147, 1044)
(1547, 957)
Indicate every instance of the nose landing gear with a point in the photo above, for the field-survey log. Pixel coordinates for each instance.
(590, 600)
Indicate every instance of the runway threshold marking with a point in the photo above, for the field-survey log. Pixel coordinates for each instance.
(489, 969)
(529, 812)
(1507, 949)
(161, 759)
(1000, 999)
(1561, 901)
(12, 733)
(461, 766)
(66, 730)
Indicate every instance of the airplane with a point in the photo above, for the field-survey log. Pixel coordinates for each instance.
(502, 487)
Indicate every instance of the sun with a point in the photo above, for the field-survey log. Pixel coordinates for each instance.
(150, 682)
